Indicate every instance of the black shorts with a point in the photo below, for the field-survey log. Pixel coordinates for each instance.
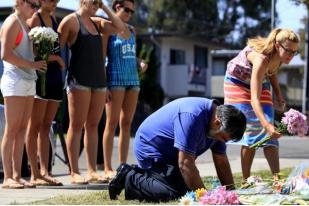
(53, 83)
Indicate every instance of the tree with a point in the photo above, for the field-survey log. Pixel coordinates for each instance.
(151, 92)
(305, 2)
(215, 20)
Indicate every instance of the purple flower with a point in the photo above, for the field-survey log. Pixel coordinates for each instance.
(296, 122)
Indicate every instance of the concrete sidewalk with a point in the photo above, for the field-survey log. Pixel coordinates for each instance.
(293, 151)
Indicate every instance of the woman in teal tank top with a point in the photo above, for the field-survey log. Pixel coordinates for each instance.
(123, 84)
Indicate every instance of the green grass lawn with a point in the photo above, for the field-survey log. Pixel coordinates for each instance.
(102, 198)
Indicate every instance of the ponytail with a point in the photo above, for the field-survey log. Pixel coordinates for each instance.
(264, 45)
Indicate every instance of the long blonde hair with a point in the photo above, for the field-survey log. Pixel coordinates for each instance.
(267, 45)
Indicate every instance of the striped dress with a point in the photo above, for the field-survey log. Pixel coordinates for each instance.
(121, 61)
(237, 93)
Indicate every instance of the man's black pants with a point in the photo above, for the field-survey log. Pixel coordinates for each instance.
(163, 182)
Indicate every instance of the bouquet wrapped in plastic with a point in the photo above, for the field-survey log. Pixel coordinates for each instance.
(298, 181)
(293, 123)
(44, 39)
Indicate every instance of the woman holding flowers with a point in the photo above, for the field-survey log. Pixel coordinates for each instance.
(18, 89)
(45, 104)
(86, 81)
(247, 86)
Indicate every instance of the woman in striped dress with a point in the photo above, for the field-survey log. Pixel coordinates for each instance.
(247, 86)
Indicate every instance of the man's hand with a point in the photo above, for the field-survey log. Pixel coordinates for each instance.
(190, 173)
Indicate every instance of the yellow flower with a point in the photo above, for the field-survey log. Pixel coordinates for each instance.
(199, 193)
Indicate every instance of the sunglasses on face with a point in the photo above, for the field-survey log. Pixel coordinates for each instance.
(128, 10)
(289, 51)
(96, 3)
(52, 1)
(32, 4)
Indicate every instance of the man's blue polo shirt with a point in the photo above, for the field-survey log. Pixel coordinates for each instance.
(179, 125)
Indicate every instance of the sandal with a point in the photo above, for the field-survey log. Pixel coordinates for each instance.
(12, 184)
(110, 175)
(51, 181)
(39, 182)
(97, 179)
(26, 183)
(78, 179)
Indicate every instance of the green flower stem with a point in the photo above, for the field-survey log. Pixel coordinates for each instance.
(260, 143)
(42, 77)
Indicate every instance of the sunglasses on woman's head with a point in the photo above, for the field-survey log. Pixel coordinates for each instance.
(97, 3)
(52, 1)
(128, 10)
(32, 4)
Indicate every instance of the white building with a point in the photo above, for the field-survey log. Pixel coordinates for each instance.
(185, 64)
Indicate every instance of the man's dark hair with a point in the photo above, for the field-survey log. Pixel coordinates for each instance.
(121, 2)
(233, 121)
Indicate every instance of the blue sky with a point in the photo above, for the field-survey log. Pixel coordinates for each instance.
(290, 14)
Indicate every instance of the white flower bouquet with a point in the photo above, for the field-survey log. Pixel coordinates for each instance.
(43, 39)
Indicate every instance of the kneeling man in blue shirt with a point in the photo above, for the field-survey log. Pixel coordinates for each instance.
(167, 144)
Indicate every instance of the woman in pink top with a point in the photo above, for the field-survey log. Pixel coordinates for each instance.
(247, 86)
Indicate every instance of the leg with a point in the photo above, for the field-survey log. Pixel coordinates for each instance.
(43, 145)
(126, 117)
(20, 138)
(153, 186)
(247, 156)
(112, 117)
(79, 101)
(91, 131)
(36, 119)
(272, 156)
(14, 107)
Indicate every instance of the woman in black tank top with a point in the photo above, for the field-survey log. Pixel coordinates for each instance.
(45, 107)
(86, 81)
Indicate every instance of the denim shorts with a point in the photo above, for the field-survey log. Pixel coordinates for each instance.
(73, 84)
(17, 87)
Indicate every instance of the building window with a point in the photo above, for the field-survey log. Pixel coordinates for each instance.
(200, 56)
(219, 67)
(177, 56)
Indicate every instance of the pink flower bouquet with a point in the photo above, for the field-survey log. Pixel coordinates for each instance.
(293, 123)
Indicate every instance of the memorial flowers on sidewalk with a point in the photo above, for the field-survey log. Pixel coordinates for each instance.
(218, 196)
(43, 40)
(293, 123)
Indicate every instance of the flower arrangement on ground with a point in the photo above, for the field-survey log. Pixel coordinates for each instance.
(293, 123)
(218, 196)
(43, 39)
